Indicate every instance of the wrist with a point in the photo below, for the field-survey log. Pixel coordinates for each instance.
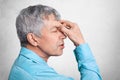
(79, 42)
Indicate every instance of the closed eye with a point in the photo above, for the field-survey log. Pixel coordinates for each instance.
(55, 30)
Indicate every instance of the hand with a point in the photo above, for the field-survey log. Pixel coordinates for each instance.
(72, 31)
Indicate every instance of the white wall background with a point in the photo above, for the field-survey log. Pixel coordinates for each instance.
(99, 21)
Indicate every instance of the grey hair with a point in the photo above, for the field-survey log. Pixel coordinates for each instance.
(31, 20)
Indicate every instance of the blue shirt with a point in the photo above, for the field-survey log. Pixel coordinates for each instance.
(29, 66)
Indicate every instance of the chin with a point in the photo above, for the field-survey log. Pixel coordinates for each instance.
(58, 54)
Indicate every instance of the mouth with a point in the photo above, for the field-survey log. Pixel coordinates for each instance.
(62, 46)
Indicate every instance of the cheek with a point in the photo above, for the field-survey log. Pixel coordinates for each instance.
(52, 39)
(50, 42)
(49, 46)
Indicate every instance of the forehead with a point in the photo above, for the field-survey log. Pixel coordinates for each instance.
(51, 22)
(49, 17)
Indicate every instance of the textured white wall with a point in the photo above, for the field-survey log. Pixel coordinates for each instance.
(99, 21)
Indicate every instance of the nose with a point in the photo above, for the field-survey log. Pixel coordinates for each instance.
(62, 35)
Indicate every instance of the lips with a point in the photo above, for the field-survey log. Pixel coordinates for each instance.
(62, 46)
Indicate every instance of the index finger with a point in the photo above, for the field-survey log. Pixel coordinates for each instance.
(67, 23)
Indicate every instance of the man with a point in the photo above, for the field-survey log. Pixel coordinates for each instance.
(42, 34)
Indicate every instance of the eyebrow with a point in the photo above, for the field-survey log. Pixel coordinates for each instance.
(55, 27)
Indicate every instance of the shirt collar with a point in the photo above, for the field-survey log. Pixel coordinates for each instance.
(31, 55)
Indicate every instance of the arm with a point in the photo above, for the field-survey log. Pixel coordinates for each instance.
(86, 63)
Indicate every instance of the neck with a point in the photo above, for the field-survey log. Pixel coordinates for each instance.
(38, 52)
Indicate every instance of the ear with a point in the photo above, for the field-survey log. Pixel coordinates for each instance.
(32, 39)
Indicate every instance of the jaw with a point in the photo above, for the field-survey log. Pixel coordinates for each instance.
(38, 51)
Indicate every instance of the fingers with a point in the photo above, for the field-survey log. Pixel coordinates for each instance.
(67, 23)
(66, 27)
(65, 30)
(73, 32)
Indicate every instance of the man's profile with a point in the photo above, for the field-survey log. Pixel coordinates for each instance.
(41, 33)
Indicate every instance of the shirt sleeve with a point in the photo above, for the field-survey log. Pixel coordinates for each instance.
(86, 63)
